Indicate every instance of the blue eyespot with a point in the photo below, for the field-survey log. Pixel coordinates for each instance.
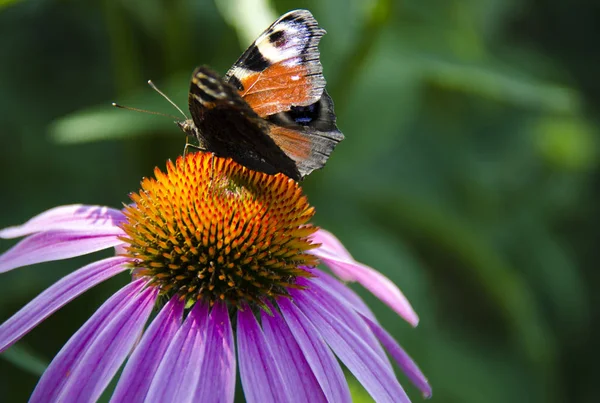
(304, 115)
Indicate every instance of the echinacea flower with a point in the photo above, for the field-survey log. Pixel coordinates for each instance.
(227, 257)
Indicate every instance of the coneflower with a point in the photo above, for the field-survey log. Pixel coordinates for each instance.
(229, 259)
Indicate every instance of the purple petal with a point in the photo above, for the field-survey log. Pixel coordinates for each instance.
(344, 292)
(179, 370)
(337, 306)
(217, 376)
(57, 373)
(370, 370)
(54, 245)
(319, 357)
(372, 280)
(55, 297)
(297, 374)
(261, 378)
(106, 354)
(76, 217)
(406, 364)
(142, 365)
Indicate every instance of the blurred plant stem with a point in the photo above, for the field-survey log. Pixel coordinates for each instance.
(25, 359)
(128, 72)
(177, 34)
(374, 23)
(124, 51)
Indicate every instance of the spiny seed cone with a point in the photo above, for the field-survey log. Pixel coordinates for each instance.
(210, 229)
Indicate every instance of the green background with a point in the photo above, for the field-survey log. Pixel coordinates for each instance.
(469, 174)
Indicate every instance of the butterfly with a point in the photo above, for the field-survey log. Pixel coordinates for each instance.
(270, 112)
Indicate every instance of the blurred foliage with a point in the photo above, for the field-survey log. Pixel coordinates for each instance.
(469, 174)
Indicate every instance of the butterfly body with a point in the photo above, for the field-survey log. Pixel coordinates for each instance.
(270, 112)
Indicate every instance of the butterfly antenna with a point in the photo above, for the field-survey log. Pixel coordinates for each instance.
(155, 88)
(129, 108)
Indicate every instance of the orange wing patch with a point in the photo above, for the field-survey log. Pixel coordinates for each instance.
(277, 88)
(295, 144)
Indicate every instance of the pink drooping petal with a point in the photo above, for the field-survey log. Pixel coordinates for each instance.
(406, 364)
(135, 381)
(94, 370)
(319, 357)
(56, 375)
(55, 297)
(347, 269)
(368, 368)
(297, 374)
(261, 377)
(345, 312)
(217, 376)
(76, 217)
(330, 244)
(55, 245)
(179, 370)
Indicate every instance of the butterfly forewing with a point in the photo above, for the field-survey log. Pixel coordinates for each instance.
(281, 68)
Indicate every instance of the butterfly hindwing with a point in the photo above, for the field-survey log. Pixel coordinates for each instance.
(307, 134)
(282, 67)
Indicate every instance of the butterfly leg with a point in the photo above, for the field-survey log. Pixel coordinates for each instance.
(190, 145)
(212, 171)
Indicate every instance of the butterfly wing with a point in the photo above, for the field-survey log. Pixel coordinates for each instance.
(281, 78)
(227, 126)
(307, 134)
(282, 67)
